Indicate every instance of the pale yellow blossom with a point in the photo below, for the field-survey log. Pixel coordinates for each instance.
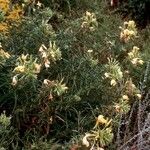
(88, 13)
(131, 24)
(37, 68)
(14, 80)
(134, 61)
(133, 86)
(125, 97)
(125, 23)
(141, 62)
(117, 108)
(106, 75)
(100, 148)
(139, 96)
(101, 119)
(135, 48)
(47, 63)
(90, 51)
(46, 81)
(85, 141)
(130, 54)
(20, 69)
(113, 82)
(24, 57)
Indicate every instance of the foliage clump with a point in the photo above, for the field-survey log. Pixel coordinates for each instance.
(71, 79)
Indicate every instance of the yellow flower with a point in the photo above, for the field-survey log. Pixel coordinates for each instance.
(20, 69)
(101, 119)
(131, 24)
(37, 68)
